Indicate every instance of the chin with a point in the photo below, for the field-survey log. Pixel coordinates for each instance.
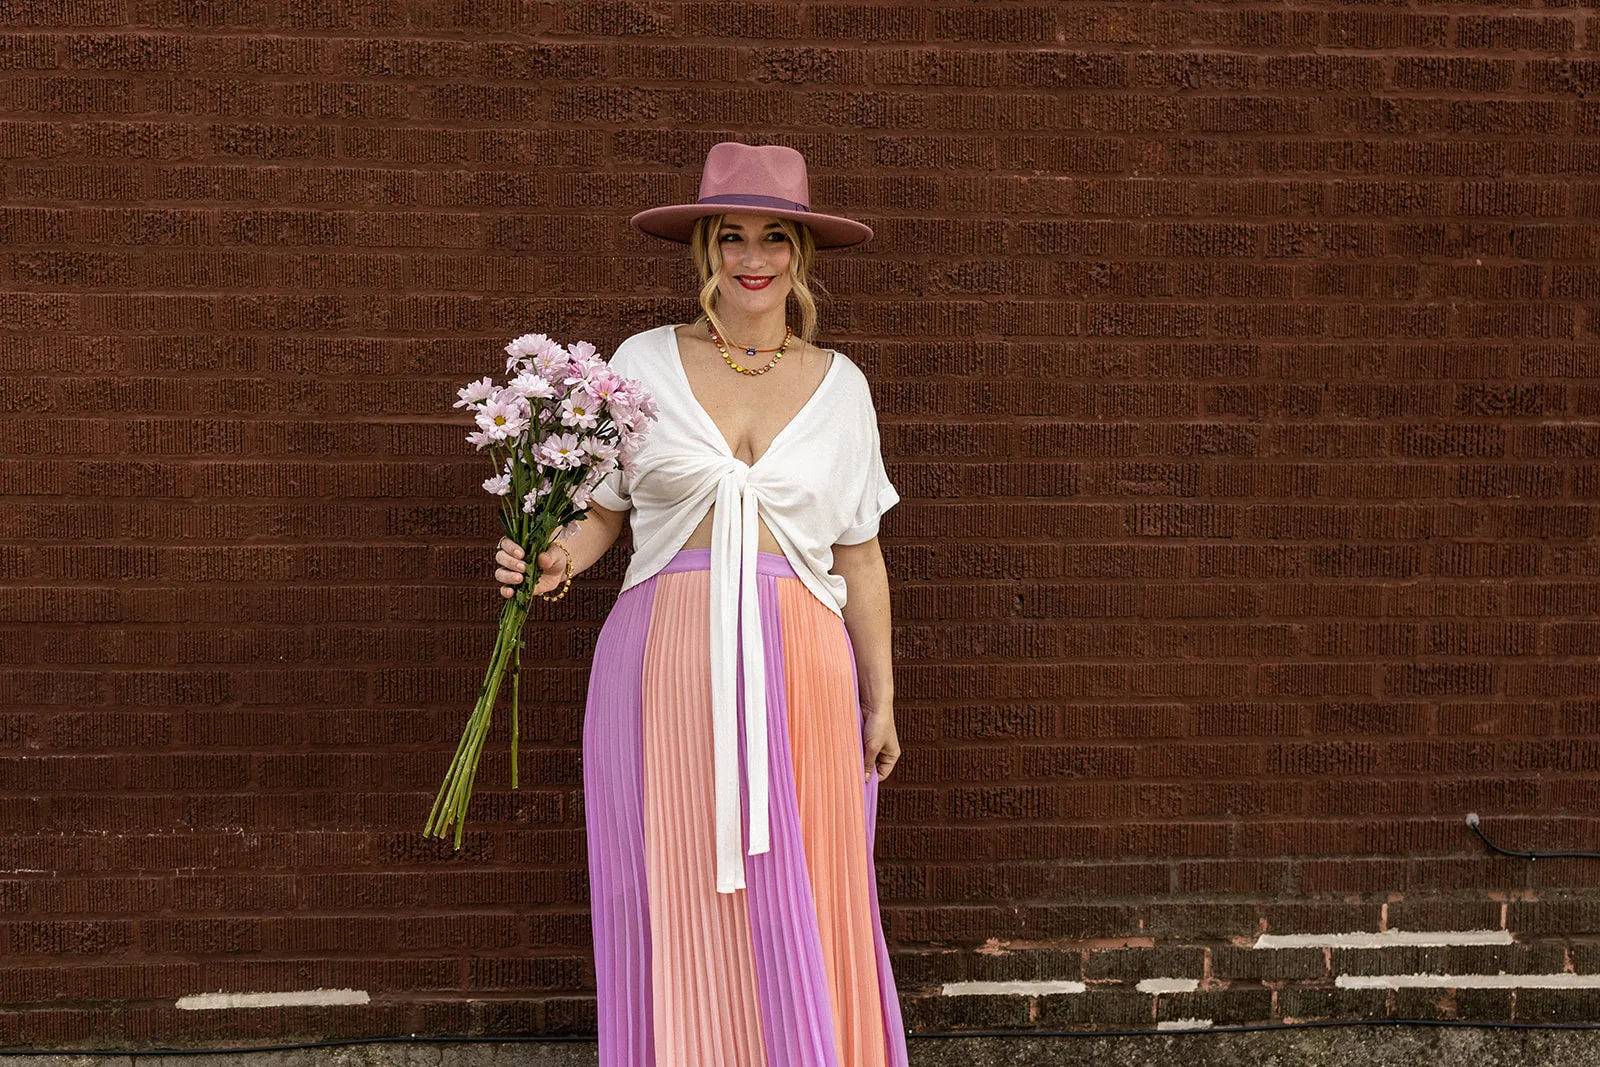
(756, 303)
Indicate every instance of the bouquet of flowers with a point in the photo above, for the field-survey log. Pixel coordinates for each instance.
(561, 423)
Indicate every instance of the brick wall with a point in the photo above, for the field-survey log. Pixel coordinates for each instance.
(1238, 366)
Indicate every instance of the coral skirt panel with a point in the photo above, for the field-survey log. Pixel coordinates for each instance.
(792, 970)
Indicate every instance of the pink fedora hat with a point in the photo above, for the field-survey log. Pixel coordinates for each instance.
(753, 180)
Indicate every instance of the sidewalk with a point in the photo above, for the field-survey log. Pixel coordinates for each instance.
(1355, 1047)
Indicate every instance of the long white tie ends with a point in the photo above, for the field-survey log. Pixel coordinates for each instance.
(735, 621)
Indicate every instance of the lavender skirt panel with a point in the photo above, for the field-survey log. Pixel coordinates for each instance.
(796, 1013)
(613, 802)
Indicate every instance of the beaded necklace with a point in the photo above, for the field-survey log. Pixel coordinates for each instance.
(788, 333)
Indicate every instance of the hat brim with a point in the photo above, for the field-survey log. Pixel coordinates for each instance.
(675, 222)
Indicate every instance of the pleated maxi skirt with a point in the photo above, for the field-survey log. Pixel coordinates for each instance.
(792, 970)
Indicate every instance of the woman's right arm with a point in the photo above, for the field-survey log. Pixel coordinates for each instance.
(597, 531)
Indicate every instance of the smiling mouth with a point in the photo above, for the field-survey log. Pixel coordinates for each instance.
(754, 281)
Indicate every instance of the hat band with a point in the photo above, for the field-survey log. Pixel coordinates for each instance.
(753, 200)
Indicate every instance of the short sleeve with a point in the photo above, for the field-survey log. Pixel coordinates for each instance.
(612, 492)
(877, 493)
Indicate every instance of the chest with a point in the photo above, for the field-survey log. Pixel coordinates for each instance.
(751, 411)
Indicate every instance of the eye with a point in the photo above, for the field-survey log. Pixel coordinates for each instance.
(728, 235)
(779, 234)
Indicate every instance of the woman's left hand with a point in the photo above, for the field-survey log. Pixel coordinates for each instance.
(879, 740)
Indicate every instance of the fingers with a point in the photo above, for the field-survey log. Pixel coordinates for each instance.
(550, 567)
(508, 582)
(510, 554)
(882, 753)
(512, 567)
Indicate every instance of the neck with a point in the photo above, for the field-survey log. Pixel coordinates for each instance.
(753, 331)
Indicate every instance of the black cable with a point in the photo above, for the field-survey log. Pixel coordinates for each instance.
(1473, 821)
(1257, 1028)
(462, 1039)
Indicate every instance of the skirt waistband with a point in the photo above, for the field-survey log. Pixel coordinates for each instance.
(773, 564)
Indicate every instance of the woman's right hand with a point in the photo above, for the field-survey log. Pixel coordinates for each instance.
(552, 564)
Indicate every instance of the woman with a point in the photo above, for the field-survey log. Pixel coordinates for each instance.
(741, 704)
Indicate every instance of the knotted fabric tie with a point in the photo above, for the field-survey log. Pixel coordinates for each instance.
(736, 619)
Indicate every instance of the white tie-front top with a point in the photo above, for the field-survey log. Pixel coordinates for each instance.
(821, 482)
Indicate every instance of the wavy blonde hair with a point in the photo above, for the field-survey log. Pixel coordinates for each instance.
(803, 254)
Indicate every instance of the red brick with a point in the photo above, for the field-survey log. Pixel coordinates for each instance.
(1236, 368)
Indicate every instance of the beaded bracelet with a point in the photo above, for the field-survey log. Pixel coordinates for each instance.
(567, 583)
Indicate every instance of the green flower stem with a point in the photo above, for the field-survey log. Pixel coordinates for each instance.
(456, 791)
(516, 686)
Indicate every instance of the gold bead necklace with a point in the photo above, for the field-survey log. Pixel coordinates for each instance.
(788, 332)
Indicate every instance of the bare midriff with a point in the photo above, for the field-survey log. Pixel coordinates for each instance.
(701, 538)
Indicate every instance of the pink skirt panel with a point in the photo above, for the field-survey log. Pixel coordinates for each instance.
(793, 970)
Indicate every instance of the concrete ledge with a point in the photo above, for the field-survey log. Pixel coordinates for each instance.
(1367, 1046)
(1371, 1046)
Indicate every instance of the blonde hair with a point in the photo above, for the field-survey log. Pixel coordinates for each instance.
(706, 265)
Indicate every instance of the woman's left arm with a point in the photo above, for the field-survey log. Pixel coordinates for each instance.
(866, 617)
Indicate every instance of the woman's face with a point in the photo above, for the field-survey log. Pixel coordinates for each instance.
(753, 248)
